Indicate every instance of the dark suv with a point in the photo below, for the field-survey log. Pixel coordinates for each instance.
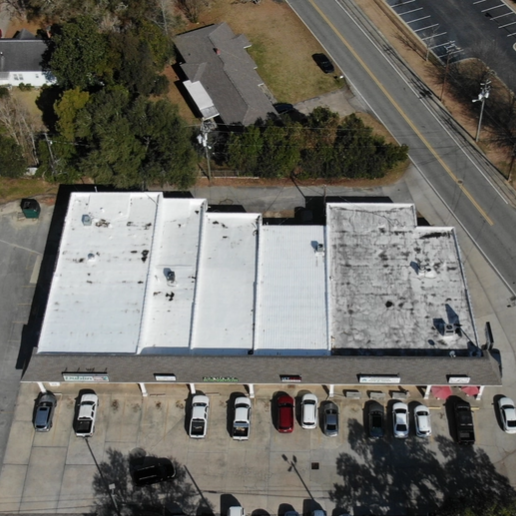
(44, 411)
(153, 470)
(375, 420)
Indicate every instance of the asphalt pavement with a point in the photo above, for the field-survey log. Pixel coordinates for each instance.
(22, 242)
(444, 157)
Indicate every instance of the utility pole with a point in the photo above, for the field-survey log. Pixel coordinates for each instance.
(482, 96)
(203, 140)
(52, 163)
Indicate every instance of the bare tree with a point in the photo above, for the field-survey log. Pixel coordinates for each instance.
(20, 125)
(193, 8)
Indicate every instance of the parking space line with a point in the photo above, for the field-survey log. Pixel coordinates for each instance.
(413, 11)
(419, 19)
(429, 27)
(478, 2)
(506, 25)
(495, 7)
(502, 15)
(441, 45)
(511, 34)
(434, 36)
(404, 3)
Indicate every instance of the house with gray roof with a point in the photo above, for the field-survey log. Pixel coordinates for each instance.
(221, 77)
(21, 61)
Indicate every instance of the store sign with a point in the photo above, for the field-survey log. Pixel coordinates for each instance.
(290, 378)
(85, 377)
(165, 377)
(459, 379)
(220, 379)
(379, 379)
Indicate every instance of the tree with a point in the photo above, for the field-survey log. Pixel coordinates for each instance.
(281, 150)
(137, 55)
(20, 126)
(77, 53)
(12, 162)
(243, 150)
(169, 154)
(66, 110)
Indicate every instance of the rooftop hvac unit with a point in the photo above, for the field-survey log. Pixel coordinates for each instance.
(86, 220)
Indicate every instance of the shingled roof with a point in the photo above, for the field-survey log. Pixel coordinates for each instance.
(217, 58)
(23, 53)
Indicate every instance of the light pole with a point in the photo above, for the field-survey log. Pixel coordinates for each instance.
(482, 96)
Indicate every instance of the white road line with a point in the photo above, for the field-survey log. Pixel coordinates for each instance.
(502, 15)
(413, 11)
(495, 7)
(419, 19)
(429, 27)
(441, 45)
(434, 36)
(506, 25)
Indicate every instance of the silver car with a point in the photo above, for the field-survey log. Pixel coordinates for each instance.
(330, 419)
(400, 420)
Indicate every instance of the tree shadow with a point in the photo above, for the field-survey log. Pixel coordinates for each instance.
(405, 476)
(132, 500)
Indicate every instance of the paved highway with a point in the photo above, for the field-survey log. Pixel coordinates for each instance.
(464, 181)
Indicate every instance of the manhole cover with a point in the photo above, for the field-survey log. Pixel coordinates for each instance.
(315, 465)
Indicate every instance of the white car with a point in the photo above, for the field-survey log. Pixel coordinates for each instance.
(400, 420)
(242, 419)
(86, 415)
(422, 421)
(507, 414)
(309, 411)
(199, 419)
(236, 510)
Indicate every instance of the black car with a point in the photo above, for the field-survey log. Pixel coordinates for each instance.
(376, 424)
(44, 411)
(324, 63)
(152, 470)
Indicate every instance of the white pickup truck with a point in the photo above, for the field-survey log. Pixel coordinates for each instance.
(84, 424)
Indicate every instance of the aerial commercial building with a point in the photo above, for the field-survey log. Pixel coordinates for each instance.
(153, 290)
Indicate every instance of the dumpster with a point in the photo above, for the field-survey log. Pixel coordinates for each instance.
(31, 208)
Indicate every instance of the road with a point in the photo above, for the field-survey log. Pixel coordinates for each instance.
(456, 172)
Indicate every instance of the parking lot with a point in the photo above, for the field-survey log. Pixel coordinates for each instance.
(455, 30)
(54, 472)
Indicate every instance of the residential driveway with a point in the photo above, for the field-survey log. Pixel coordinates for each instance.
(54, 472)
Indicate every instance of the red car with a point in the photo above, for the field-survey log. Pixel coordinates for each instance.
(285, 408)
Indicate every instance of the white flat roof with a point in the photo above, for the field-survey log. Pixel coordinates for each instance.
(202, 99)
(291, 303)
(377, 282)
(392, 282)
(223, 312)
(168, 308)
(96, 301)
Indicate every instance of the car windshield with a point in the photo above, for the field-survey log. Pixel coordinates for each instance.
(401, 427)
